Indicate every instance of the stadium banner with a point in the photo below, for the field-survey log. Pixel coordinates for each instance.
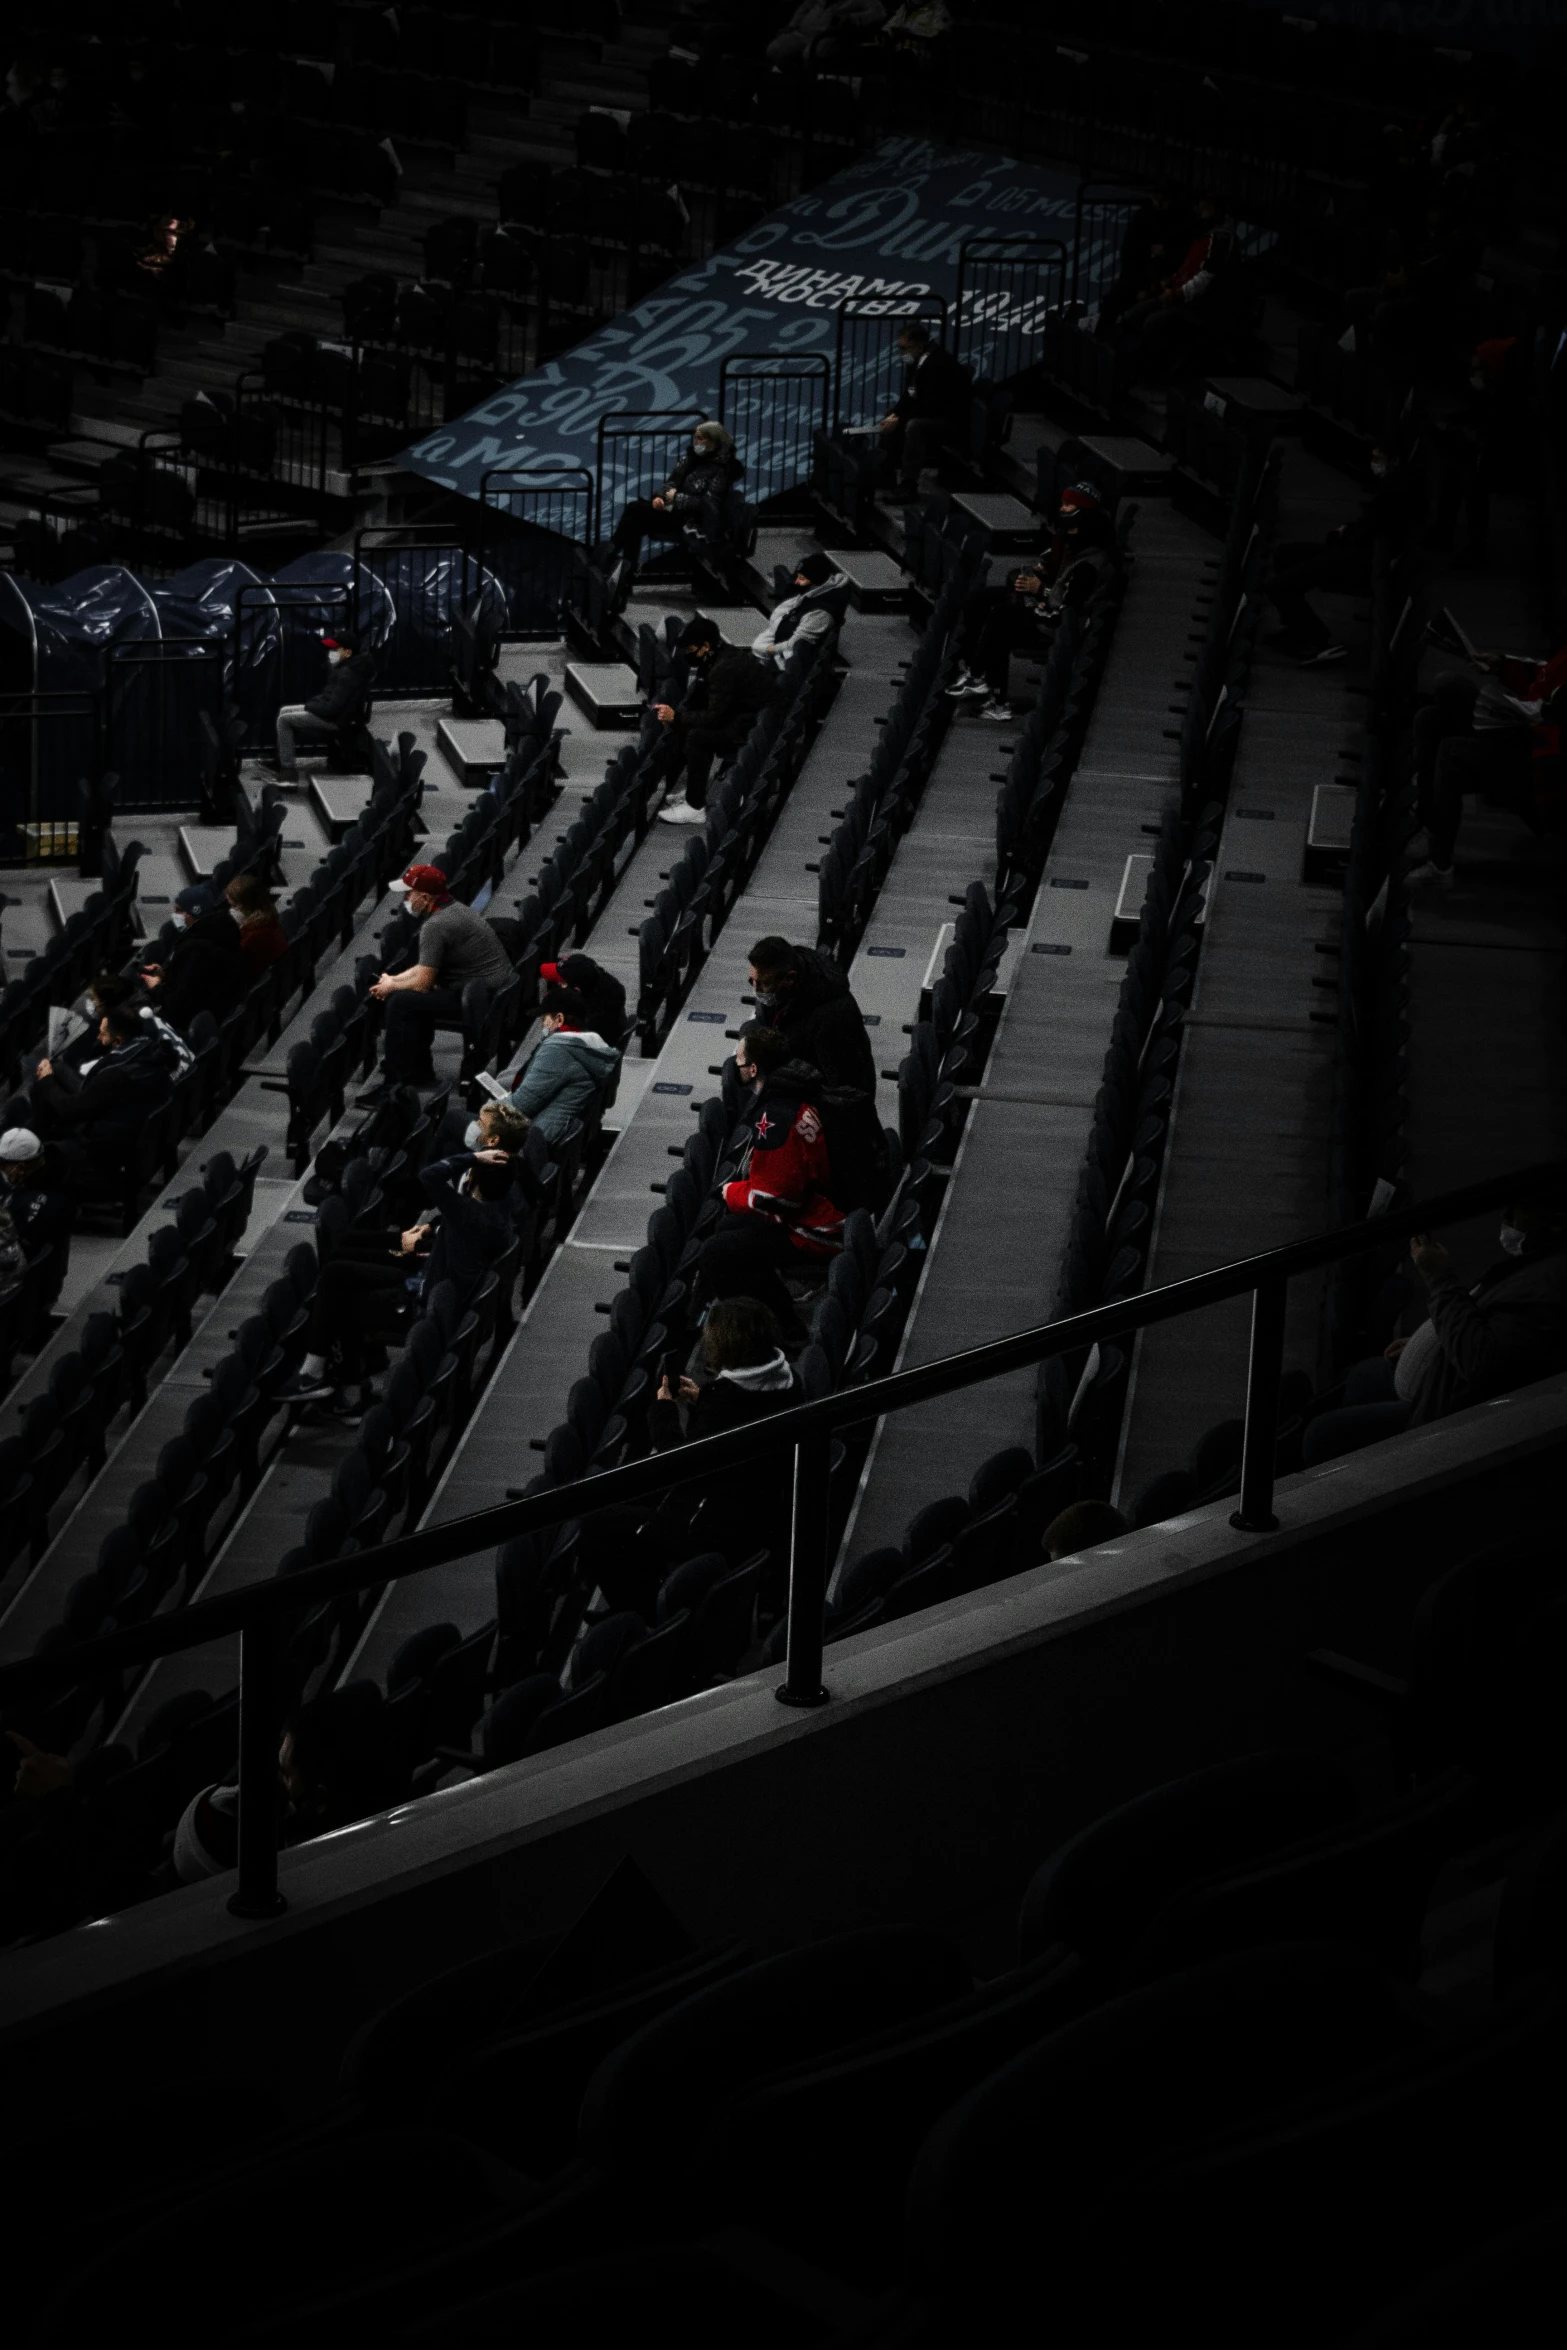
(888, 231)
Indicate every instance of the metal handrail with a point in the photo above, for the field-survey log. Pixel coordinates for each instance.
(258, 1610)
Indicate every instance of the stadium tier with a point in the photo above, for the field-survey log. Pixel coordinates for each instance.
(783, 1190)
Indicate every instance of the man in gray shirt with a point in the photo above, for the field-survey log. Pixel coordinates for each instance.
(455, 945)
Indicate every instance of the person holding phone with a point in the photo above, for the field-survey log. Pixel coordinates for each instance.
(1500, 740)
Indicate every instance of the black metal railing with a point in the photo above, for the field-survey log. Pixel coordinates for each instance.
(260, 1612)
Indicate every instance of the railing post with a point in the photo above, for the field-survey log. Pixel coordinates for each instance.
(1255, 1515)
(260, 1729)
(802, 1683)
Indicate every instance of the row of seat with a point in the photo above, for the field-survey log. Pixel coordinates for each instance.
(1040, 766)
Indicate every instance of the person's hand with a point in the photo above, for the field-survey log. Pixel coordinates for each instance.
(658, 505)
(153, 975)
(689, 1390)
(493, 1157)
(46, 1068)
(664, 713)
(1485, 659)
(1429, 1256)
(411, 1238)
(888, 424)
(381, 988)
(38, 1774)
(1394, 1348)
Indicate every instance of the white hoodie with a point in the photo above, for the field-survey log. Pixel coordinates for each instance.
(808, 629)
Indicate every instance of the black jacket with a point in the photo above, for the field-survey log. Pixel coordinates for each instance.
(206, 972)
(754, 1501)
(822, 1021)
(472, 1232)
(726, 696)
(345, 688)
(938, 386)
(41, 1214)
(700, 487)
(117, 1093)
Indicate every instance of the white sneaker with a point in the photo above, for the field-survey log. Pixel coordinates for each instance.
(682, 813)
(998, 710)
(1429, 876)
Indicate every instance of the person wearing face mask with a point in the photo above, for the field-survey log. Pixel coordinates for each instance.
(1506, 1330)
(343, 698)
(206, 970)
(455, 945)
(726, 690)
(807, 999)
(1022, 616)
(932, 410)
(572, 1074)
(1339, 564)
(818, 604)
(693, 499)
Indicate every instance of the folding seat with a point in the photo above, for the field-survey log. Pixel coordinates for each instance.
(567, 1717)
(366, 1506)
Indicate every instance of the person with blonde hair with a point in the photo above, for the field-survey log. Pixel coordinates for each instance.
(692, 500)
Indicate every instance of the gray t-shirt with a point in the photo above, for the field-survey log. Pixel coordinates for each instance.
(459, 945)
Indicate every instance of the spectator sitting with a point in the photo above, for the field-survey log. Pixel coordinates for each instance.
(932, 413)
(322, 718)
(1023, 615)
(1496, 740)
(39, 1206)
(370, 1287)
(729, 687)
(807, 999)
(207, 970)
(812, 612)
(455, 945)
(1340, 563)
(262, 939)
(98, 1113)
(1158, 233)
(1153, 334)
(824, 32)
(781, 1215)
(573, 1072)
(1080, 1526)
(744, 1376)
(694, 498)
(601, 992)
(1509, 1329)
(324, 1781)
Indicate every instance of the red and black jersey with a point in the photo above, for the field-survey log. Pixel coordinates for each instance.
(787, 1174)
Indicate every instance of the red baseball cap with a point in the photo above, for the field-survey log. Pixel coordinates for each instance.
(428, 878)
(550, 972)
(1081, 494)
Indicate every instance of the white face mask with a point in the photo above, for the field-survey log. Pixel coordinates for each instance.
(335, 656)
(472, 1139)
(1512, 1239)
(1379, 469)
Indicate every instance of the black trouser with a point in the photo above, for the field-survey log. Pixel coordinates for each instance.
(1453, 756)
(361, 1302)
(747, 1256)
(998, 624)
(1305, 564)
(919, 441)
(696, 747)
(411, 1017)
(643, 520)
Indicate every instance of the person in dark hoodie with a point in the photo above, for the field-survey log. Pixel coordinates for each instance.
(350, 674)
(370, 1289)
(728, 688)
(207, 971)
(807, 999)
(94, 1119)
(603, 996)
(1506, 1330)
(573, 1072)
(743, 1376)
(693, 499)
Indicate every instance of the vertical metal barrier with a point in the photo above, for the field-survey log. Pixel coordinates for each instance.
(274, 652)
(637, 449)
(867, 366)
(50, 745)
(1096, 240)
(531, 518)
(1008, 288)
(421, 571)
(280, 456)
(1264, 1371)
(775, 403)
(165, 514)
(154, 698)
